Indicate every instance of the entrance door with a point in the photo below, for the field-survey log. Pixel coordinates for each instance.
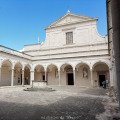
(70, 79)
(101, 79)
(43, 77)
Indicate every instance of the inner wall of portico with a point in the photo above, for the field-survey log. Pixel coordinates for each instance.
(66, 75)
(39, 73)
(18, 74)
(27, 76)
(52, 75)
(39, 76)
(83, 77)
(6, 70)
(63, 77)
(100, 69)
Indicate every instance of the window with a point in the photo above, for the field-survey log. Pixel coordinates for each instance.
(69, 37)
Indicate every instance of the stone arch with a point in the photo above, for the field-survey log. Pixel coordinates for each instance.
(82, 63)
(101, 73)
(19, 64)
(66, 64)
(39, 73)
(6, 72)
(7, 60)
(36, 65)
(52, 66)
(100, 61)
(39, 66)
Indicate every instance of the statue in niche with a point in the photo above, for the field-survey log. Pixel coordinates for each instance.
(85, 73)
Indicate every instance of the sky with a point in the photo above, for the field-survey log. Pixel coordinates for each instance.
(22, 21)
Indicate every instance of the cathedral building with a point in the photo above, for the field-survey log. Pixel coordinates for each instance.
(73, 53)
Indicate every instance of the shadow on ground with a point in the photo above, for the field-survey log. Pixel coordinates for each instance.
(70, 108)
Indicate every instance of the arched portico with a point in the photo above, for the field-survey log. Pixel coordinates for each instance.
(67, 75)
(52, 75)
(6, 73)
(27, 75)
(83, 75)
(100, 73)
(39, 73)
(18, 74)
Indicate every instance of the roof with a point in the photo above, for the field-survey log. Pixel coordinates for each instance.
(70, 18)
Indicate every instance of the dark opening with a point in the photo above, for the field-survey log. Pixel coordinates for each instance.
(70, 79)
(43, 77)
(101, 79)
(21, 79)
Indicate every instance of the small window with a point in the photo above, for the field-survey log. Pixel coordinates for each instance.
(69, 37)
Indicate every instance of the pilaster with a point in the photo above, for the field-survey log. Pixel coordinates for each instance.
(59, 76)
(0, 75)
(12, 77)
(31, 77)
(74, 75)
(23, 77)
(91, 77)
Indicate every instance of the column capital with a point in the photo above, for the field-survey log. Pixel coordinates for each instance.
(110, 68)
(74, 68)
(45, 69)
(91, 69)
(58, 68)
(13, 65)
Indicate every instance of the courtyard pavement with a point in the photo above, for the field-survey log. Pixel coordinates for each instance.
(64, 103)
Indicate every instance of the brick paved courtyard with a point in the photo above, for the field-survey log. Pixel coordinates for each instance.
(65, 103)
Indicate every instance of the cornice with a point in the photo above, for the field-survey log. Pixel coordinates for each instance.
(66, 46)
(71, 57)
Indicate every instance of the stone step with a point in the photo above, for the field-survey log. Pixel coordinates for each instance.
(39, 89)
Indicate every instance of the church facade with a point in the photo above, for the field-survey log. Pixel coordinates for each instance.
(73, 53)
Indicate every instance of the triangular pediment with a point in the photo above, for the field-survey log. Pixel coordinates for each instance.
(70, 18)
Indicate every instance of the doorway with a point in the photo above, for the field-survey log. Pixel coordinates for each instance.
(101, 79)
(70, 79)
(43, 77)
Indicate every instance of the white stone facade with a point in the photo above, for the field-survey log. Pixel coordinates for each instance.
(84, 62)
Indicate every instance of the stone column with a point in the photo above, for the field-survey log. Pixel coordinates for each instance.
(115, 10)
(23, 77)
(91, 77)
(46, 75)
(0, 76)
(59, 76)
(31, 77)
(74, 76)
(111, 77)
(12, 77)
